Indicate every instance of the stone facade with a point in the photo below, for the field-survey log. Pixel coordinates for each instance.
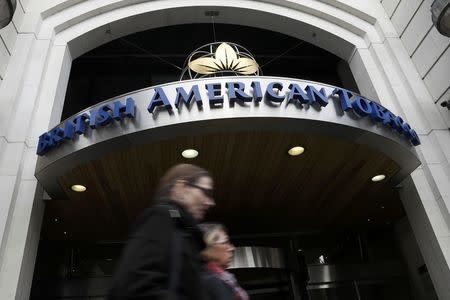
(394, 53)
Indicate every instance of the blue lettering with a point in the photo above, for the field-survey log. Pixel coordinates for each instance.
(93, 118)
(159, 99)
(257, 92)
(399, 124)
(406, 128)
(117, 110)
(182, 96)
(45, 143)
(236, 92)
(296, 93)
(129, 109)
(344, 97)
(389, 118)
(377, 113)
(101, 116)
(80, 123)
(414, 138)
(272, 95)
(314, 95)
(57, 134)
(69, 130)
(362, 106)
(105, 115)
(214, 94)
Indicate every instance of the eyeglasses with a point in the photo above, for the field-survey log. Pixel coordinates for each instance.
(222, 242)
(208, 192)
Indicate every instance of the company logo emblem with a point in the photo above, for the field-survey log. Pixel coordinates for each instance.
(220, 58)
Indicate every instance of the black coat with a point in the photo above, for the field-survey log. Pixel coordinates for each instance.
(147, 260)
(217, 289)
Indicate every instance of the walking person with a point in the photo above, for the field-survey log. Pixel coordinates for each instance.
(161, 260)
(218, 254)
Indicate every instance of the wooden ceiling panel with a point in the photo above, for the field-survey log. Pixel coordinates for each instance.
(258, 186)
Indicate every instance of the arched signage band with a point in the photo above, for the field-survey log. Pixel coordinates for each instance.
(275, 94)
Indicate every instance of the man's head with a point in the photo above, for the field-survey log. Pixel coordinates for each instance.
(190, 186)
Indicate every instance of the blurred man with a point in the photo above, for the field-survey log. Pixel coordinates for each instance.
(161, 259)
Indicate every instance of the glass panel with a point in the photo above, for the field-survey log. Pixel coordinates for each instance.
(395, 289)
(331, 249)
(334, 292)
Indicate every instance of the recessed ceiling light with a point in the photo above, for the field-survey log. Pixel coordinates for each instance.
(78, 188)
(378, 178)
(297, 150)
(56, 220)
(189, 153)
(368, 220)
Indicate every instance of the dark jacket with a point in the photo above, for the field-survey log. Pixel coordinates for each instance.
(148, 258)
(217, 289)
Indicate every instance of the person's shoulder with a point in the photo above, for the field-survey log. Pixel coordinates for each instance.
(159, 209)
(209, 276)
(216, 288)
(212, 280)
(158, 213)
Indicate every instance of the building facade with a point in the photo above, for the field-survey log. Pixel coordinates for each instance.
(395, 56)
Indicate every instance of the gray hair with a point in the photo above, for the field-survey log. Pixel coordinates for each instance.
(210, 231)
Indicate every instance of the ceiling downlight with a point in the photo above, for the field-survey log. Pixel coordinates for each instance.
(78, 188)
(378, 178)
(189, 153)
(295, 151)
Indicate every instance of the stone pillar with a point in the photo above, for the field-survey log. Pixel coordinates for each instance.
(394, 81)
(35, 79)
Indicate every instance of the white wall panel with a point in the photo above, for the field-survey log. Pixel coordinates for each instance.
(404, 13)
(390, 5)
(438, 79)
(16, 241)
(23, 3)
(4, 59)
(19, 16)
(426, 221)
(10, 158)
(429, 51)
(444, 111)
(9, 36)
(7, 184)
(19, 120)
(8, 40)
(417, 29)
(12, 82)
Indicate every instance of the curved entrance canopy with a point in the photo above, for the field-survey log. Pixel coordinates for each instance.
(242, 128)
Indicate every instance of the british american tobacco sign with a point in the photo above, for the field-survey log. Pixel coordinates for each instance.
(272, 95)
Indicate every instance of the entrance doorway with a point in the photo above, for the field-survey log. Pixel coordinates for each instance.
(331, 223)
